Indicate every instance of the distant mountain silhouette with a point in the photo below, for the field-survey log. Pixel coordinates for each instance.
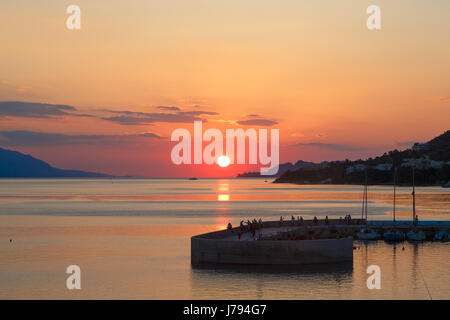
(284, 167)
(14, 164)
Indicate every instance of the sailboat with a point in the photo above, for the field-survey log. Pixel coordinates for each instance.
(414, 234)
(442, 235)
(394, 234)
(366, 233)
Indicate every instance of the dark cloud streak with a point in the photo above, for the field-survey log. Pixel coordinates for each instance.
(168, 108)
(257, 122)
(33, 138)
(144, 118)
(169, 114)
(33, 109)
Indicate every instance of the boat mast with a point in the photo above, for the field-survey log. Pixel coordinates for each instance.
(364, 208)
(363, 203)
(367, 194)
(414, 199)
(395, 176)
(364, 198)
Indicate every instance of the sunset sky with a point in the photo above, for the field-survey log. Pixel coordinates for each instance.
(107, 97)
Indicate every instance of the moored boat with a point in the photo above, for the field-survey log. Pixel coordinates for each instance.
(414, 234)
(442, 235)
(394, 235)
(417, 235)
(366, 233)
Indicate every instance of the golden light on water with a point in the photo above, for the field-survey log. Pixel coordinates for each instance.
(224, 187)
(223, 197)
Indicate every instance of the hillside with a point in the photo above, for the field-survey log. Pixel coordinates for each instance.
(284, 167)
(14, 164)
(431, 161)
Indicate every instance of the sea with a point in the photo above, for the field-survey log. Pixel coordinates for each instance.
(130, 239)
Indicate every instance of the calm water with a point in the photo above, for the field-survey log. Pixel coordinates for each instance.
(131, 240)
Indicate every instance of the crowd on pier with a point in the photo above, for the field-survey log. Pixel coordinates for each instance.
(256, 225)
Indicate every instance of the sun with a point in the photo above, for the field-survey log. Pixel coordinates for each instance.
(223, 161)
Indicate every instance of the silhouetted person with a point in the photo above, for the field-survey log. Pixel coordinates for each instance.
(229, 227)
(326, 220)
(315, 220)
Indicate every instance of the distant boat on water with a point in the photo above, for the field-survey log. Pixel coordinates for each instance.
(193, 178)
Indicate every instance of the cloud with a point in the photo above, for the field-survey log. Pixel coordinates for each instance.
(257, 122)
(332, 146)
(33, 109)
(320, 135)
(129, 120)
(170, 114)
(168, 108)
(33, 138)
(143, 118)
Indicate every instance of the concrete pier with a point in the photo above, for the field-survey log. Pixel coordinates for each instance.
(272, 245)
(290, 243)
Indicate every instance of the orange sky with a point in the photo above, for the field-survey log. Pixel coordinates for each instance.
(334, 88)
